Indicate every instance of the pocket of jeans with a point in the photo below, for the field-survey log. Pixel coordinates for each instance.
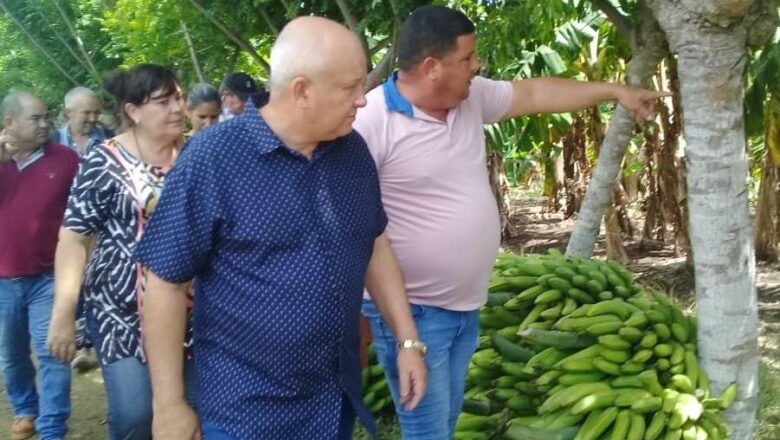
(417, 311)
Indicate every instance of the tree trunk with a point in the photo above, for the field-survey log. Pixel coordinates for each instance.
(500, 186)
(575, 165)
(711, 63)
(768, 206)
(649, 49)
(616, 249)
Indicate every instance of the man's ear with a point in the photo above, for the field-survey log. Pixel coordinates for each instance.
(430, 67)
(300, 88)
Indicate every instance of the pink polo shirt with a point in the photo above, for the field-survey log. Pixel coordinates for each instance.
(443, 219)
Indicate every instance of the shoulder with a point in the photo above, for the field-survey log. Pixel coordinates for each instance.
(104, 132)
(354, 149)
(482, 88)
(224, 136)
(374, 112)
(103, 154)
(56, 135)
(375, 102)
(61, 152)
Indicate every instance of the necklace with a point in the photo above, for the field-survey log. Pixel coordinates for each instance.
(141, 154)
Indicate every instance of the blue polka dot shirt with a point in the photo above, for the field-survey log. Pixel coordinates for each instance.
(278, 245)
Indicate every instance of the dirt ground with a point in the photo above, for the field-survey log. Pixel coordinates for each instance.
(535, 231)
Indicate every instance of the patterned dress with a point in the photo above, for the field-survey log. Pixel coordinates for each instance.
(112, 197)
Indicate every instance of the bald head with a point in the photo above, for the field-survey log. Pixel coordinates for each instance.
(312, 47)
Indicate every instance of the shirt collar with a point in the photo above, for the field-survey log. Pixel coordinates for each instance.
(267, 141)
(31, 159)
(97, 134)
(395, 101)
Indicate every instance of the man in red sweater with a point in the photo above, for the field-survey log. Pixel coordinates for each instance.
(35, 178)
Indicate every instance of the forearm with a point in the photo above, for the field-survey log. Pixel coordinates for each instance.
(385, 285)
(70, 259)
(557, 95)
(165, 320)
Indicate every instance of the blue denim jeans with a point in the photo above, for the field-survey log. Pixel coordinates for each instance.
(25, 313)
(129, 395)
(452, 338)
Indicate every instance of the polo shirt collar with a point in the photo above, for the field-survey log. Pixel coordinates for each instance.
(395, 101)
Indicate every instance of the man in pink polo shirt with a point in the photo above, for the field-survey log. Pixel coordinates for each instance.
(35, 179)
(424, 128)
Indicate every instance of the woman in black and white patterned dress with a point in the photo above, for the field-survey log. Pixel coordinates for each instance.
(112, 197)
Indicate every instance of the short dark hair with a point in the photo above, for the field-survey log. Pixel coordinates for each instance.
(430, 31)
(239, 84)
(136, 85)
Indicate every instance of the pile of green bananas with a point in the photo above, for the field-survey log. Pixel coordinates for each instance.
(376, 392)
(574, 349)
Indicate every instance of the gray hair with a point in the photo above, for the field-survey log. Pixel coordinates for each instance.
(202, 92)
(78, 92)
(12, 104)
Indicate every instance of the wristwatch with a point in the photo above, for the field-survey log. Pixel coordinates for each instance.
(412, 343)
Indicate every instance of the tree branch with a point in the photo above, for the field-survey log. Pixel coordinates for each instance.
(193, 54)
(243, 44)
(38, 45)
(354, 25)
(381, 44)
(190, 46)
(76, 37)
(61, 39)
(386, 64)
(268, 21)
(382, 69)
(620, 21)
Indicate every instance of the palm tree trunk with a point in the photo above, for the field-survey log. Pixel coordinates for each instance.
(711, 63)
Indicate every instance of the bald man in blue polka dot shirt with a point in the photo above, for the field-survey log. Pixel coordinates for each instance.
(277, 216)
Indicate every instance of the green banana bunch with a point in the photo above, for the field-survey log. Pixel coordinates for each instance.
(573, 348)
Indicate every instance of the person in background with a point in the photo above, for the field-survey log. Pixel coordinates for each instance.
(203, 107)
(81, 131)
(424, 128)
(35, 178)
(112, 198)
(239, 91)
